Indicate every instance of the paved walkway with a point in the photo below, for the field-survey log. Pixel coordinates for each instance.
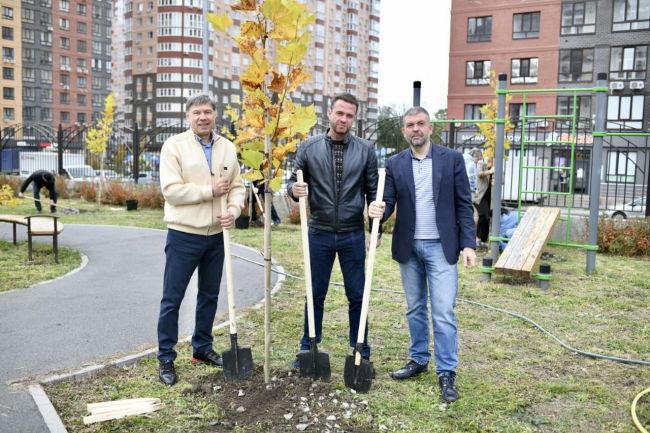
(106, 309)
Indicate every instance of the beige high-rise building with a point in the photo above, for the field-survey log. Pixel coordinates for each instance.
(162, 52)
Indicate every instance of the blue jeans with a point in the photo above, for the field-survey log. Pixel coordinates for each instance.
(351, 249)
(184, 253)
(37, 196)
(427, 272)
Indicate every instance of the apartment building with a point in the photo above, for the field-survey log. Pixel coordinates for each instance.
(552, 44)
(56, 61)
(10, 80)
(163, 58)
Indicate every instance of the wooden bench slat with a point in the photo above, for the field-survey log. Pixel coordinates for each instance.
(36, 226)
(524, 249)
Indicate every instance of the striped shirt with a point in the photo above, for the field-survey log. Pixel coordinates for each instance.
(425, 208)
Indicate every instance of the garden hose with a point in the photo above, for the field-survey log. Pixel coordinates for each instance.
(635, 419)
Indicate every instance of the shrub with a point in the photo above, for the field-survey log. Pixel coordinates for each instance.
(625, 238)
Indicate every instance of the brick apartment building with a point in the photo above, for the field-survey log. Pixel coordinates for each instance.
(552, 44)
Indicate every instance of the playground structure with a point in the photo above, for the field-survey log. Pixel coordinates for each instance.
(554, 175)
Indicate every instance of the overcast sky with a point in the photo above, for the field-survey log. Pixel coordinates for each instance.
(414, 45)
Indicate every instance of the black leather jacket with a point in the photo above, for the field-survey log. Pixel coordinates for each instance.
(331, 210)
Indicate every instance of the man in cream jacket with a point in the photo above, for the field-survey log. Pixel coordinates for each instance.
(197, 167)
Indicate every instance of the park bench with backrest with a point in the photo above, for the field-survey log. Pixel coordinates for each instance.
(524, 249)
(37, 225)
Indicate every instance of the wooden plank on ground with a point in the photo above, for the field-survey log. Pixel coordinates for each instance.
(109, 410)
(524, 249)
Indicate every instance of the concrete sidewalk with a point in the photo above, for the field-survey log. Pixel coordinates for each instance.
(107, 308)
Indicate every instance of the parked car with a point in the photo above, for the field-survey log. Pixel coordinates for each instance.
(79, 173)
(108, 174)
(147, 177)
(635, 208)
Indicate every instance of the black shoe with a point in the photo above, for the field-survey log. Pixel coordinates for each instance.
(295, 365)
(209, 357)
(409, 370)
(167, 372)
(447, 386)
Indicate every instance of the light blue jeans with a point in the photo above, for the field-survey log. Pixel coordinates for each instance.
(427, 272)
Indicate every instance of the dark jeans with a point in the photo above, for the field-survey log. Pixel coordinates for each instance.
(37, 196)
(351, 250)
(184, 253)
(483, 211)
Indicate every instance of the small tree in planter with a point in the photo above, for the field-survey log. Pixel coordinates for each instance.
(273, 34)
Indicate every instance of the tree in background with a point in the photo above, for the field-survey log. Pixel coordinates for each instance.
(274, 35)
(489, 130)
(97, 138)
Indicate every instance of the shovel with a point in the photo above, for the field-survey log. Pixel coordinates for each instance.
(66, 210)
(238, 360)
(313, 363)
(358, 371)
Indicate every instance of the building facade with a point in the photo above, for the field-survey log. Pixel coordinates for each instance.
(163, 58)
(56, 61)
(552, 44)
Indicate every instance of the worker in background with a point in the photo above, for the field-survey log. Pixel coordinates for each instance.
(40, 179)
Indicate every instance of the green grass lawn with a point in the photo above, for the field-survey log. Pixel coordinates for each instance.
(511, 377)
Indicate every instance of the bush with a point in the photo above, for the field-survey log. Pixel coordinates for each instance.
(624, 238)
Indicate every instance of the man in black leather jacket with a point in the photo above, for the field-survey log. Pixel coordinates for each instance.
(340, 177)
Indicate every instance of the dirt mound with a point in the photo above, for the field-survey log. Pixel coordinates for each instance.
(288, 404)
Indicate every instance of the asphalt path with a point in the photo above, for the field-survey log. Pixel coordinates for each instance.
(107, 308)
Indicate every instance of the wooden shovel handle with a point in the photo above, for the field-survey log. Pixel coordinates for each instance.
(302, 202)
(228, 269)
(370, 264)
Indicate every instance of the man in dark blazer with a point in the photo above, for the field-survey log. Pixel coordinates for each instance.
(428, 184)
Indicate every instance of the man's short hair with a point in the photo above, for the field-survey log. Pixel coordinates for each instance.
(200, 99)
(346, 97)
(414, 111)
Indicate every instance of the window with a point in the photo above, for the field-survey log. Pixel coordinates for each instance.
(479, 29)
(8, 73)
(29, 55)
(82, 28)
(477, 73)
(28, 35)
(625, 112)
(65, 80)
(46, 77)
(64, 42)
(7, 54)
(46, 95)
(81, 9)
(8, 113)
(81, 100)
(46, 114)
(64, 5)
(81, 117)
(621, 166)
(81, 82)
(8, 93)
(7, 33)
(576, 65)
(65, 117)
(524, 71)
(473, 111)
(29, 113)
(64, 23)
(631, 15)
(28, 94)
(81, 46)
(7, 13)
(525, 26)
(46, 39)
(578, 18)
(64, 98)
(515, 112)
(583, 109)
(628, 63)
(28, 15)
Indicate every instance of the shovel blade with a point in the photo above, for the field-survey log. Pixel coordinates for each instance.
(358, 377)
(315, 364)
(237, 363)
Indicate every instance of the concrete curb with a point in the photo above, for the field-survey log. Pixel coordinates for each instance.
(43, 403)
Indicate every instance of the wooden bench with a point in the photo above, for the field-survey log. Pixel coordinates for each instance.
(37, 225)
(524, 249)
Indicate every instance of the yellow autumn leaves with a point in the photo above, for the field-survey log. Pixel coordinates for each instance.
(274, 35)
(97, 137)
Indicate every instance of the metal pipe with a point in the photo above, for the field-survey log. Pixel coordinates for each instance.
(416, 93)
(596, 169)
(498, 164)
